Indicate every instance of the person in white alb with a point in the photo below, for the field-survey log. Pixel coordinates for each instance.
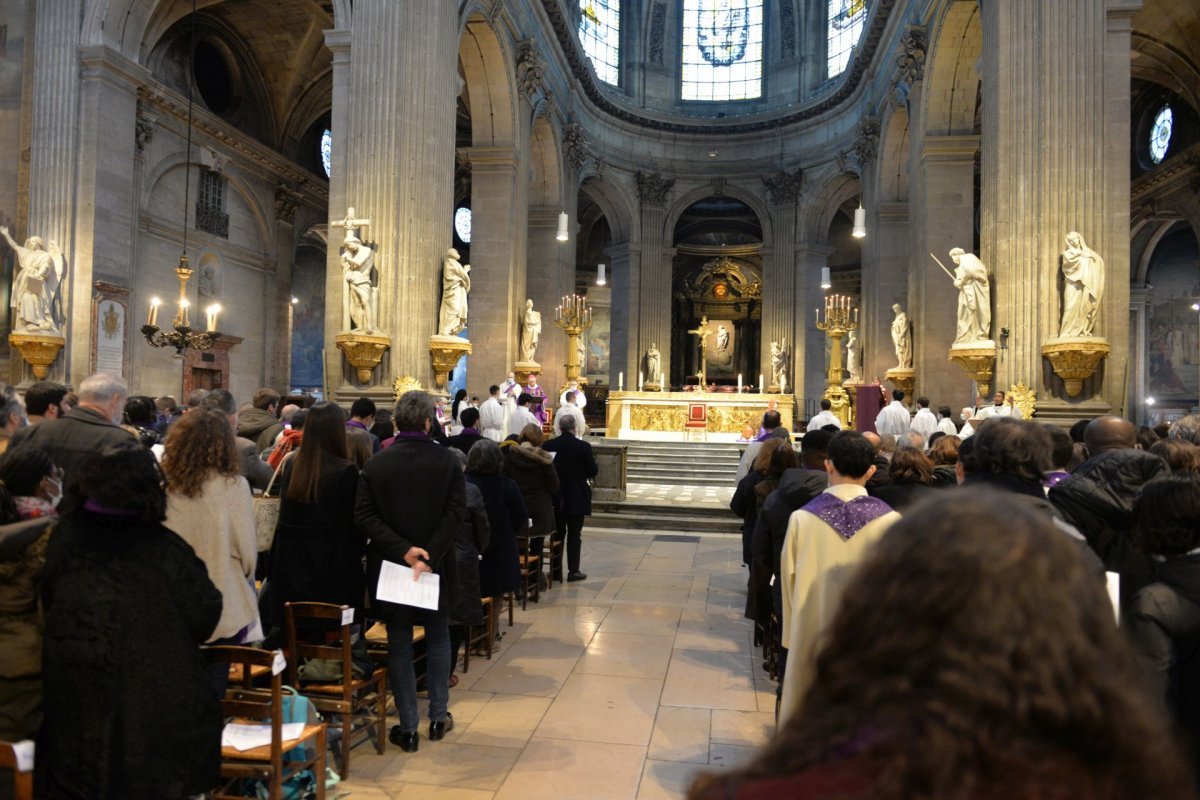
(491, 416)
(825, 417)
(521, 416)
(999, 408)
(968, 428)
(895, 418)
(568, 409)
(924, 423)
(510, 390)
(945, 424)
(580, 400)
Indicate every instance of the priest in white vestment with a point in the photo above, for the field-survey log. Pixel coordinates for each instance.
(568, 408)
(894, 419)
(924, 422)
(491, 417)
(1000, 408)
(580, 399)
(521, 416)
(823, 418)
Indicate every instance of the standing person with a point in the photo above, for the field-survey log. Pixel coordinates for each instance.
(924, 422)
(576, 466)
(362, 417)
(824, 417)
(499, 571)
(456, 409)
(469, 435)
(744, 501)
(491, 416)
(945, 422)
(969, 423)
(257, 472)
(45, 400)
(522, 416)
(12, 416)
(532, 469)
(130, 712)
(209, 506)
(537, 398)
(89, 427)
(580, 400)
(569, 408)
(410, 502)
(999, 408)
(32, 480)
(893, 420)
(317, 553)
(470, 539)
(260, 422)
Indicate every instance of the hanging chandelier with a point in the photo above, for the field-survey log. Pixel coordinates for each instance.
(181, 336)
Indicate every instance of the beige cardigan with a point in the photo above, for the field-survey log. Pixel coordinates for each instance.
(219, 525)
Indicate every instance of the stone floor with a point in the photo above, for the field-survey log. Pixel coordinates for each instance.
(623, 686)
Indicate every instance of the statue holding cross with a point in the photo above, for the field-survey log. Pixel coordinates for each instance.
(702, 332)
(360, 305)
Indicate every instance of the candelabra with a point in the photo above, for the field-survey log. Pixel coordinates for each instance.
(182, 337)
(574, 317)
(840, 319)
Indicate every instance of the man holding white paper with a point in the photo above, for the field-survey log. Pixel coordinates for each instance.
(410, 500)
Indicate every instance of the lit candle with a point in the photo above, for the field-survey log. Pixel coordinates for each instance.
(817, 316)
(760, 383)
(153, 317)
(640, 380)
(183, 312)
(620, 381)
(739, 383)
(211, 312)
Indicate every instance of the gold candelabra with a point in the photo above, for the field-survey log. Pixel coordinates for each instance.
(840, 318)
(182, 336)
(574, 317)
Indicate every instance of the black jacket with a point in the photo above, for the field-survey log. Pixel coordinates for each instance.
(470, 540)
(796, 488)
(901, 494)
(1098, 500)
(744, 503)
(575, 465)
(535, 476)
(73, 438)
(412, 495)
(463, 441)
(499, 571)
(130, 712)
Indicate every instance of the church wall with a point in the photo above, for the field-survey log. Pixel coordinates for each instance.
(13, 55)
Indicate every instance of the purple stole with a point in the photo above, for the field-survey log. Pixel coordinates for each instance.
(847, 518)
(539, 410)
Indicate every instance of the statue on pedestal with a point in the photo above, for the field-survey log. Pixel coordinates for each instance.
(36, 293)
(531, 332)
(852, 361)
(1083, 288)
(456, 283)
(902, 338)
(974, 297)
(653, 365)
(779, 355)
(358, 270)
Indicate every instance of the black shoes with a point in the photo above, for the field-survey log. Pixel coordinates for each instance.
(576, 576)
(407, 742)
(438, 730)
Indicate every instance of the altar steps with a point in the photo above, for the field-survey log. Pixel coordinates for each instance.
(650, 516)
(683, 463)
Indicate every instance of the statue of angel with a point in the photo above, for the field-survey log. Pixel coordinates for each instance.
(37, 288)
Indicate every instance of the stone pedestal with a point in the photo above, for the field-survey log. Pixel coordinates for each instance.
(523, 369)
(902, 378)
(978, 360)
(1075, 359)
(364, 351)
(38, 349)
(612, 461)
(445, 352)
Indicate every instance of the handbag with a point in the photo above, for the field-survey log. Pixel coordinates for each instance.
(266, 511)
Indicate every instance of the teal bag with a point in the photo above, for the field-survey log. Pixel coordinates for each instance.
(302, 785)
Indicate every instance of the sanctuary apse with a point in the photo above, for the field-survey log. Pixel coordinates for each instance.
(707, 166)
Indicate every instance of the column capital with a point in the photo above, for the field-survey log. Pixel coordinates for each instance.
(950, 149)
(489, 158)
(813, 250)
(338, 41)
(101, 62)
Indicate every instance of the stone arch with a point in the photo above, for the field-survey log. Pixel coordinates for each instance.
(616, 205)
(1156, 233)
(545, 165)
(892, 169)
(490, 83)
(819, 206)
(951, 83)
(684, 201)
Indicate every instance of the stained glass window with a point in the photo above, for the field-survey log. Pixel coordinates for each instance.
(600, 34)
(846, 20)
(722, 49)
(1160, 134)
(462, 224)
(326, 151)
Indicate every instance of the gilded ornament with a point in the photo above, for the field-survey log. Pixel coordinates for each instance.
(405, 384)
(1023, 398)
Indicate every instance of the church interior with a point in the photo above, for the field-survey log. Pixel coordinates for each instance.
(726, 205)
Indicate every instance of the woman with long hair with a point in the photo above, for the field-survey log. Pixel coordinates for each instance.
(974, 655)
(460, 402)
(317, 554)
(130, 710)
(209, 505)
(499, 571)
(911, 472)
(533, 470)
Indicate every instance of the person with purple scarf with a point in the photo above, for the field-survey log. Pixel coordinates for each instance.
(538, 406)
(825, 540)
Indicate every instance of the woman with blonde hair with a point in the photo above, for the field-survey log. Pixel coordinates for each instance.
(209, 506)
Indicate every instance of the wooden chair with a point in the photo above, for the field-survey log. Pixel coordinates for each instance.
(484, 635)
(552, 554)
(254, 705)
(358, 704)
(531, 566)
(22, 786)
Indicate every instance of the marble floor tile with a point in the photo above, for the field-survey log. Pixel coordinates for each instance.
(680, 734)
(452, 765)
(641, 619)
(730, 755)
(628, 655)
(666, 780)
(709, 680)
(507, 720)
(555, 769)
(603, 708)
(746, 728)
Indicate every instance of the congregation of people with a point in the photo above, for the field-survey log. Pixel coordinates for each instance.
(133, 547)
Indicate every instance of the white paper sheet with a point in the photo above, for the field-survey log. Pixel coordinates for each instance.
(242, 737)
(396, 585)
(23, 750)
(1113, 580)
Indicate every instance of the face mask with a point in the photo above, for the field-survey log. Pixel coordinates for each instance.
(511, 381)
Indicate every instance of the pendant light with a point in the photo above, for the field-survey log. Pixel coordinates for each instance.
(563, 222)
(600, 280)
(860, 222)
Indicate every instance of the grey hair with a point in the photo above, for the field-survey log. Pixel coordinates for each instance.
(101, 388)
(913, 439)
(10, 405)
(460, 455)
(220, 400)
(566, 423)
(1187, 429)
(412, 409)
(485, 458)
(196, 397)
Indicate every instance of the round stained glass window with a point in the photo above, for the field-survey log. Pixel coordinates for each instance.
(1160, 134)
(326, 151)
(462, 224)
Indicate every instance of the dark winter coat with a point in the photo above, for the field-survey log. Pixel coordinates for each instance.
(902, 494)
(507, 516)
(317, 555)
(463, 441)
(796, 487)
(743, 503)
(73, 439)
(1098, 500)
(531, 468)
(260, 426)
(576, 465)
(130, 712)
(470, 540)
(412, 495)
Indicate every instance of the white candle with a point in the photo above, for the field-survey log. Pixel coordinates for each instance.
(211, 313)
(620, 381)
(739, 383)
(760, 383)
(183, 312)
(640, 377)
(153, 317)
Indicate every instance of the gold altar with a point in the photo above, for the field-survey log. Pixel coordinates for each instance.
(663, 416)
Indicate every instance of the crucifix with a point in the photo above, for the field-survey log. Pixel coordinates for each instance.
(702, 332)
(360, 302)
(350, 225)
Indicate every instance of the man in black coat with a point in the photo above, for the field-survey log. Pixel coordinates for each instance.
(575, 464)
(470, 433)
(411, 499)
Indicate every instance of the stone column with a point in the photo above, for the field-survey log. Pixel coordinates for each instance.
(624, 264)
(809, 347)
(945, 188)
(781, 271)
(399, 172)
(338, 42)
(1055, 159)
(654, 287)
(277, 345)
(551, 274)
(884, 283)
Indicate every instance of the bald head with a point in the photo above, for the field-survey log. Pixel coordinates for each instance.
(1109, 433)
(873, 438)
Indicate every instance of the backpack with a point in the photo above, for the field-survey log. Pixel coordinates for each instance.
(302, 785)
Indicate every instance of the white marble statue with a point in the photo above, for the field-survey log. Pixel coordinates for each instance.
(902, 338)
(779, 354)
(653, 365)
(456, 284)
(207, 281)
(974, 297)
(722, 338)
(362, 293)
(1083, 287)
(36, 294)
(531, 331)
(852, 360)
